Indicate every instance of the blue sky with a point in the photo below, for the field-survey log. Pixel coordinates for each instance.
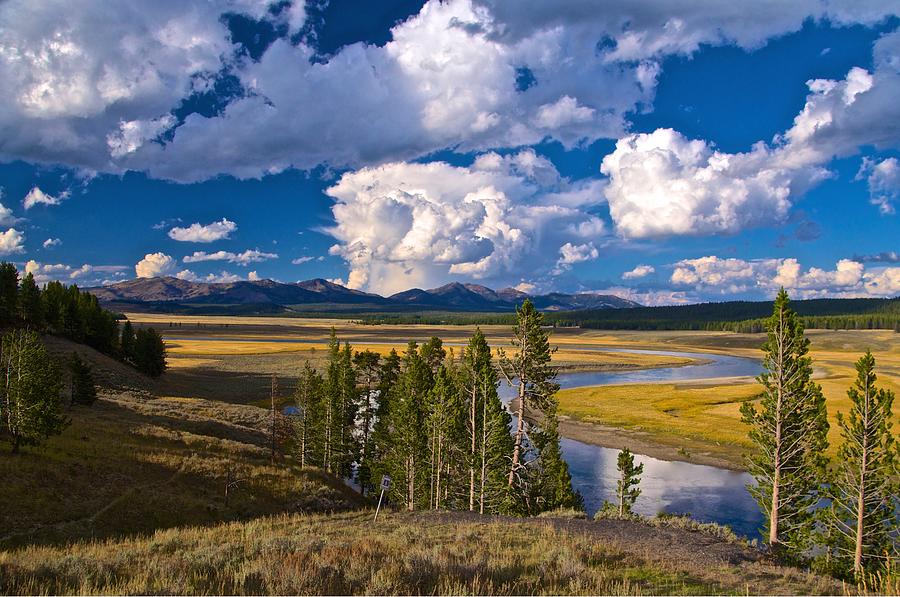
(662, 152)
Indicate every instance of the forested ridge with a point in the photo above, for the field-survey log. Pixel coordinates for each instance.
(735, 316)
(75, 314)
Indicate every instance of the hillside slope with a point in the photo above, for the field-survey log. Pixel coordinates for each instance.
(137, 461)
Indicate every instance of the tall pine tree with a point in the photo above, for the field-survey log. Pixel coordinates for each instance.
(788, 432)
(29, 303)
(530, 371)
(368, 365)
(864, 486)
(308, 431)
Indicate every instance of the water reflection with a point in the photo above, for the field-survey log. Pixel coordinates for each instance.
(706, 493)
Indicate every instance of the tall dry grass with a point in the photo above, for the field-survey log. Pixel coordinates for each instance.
(348, 554)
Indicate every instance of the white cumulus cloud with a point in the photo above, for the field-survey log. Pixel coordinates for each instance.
(12, 241)
(94, 89)
(38, 197)
(245, 258)
(52, 242)
(406, 225)
(199, 233)
(849, 278)
(663, 184)
(640, 271)
(155, 265)
(883, 179)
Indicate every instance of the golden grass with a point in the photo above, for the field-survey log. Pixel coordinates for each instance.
(667, 412)
(400, 554)
(710, 414)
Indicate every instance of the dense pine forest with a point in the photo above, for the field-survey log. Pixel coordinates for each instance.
(432, 421)
(733, 316)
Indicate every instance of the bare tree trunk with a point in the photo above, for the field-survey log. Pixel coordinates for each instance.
(410, 484)
(776, 478)
(472, 455)
(483, 453)
(861, 501)
(520, 429)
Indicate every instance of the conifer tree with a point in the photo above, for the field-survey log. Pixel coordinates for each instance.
(496, 447)
(149, 352)
(864, 486)
(788, 432)
(529, 369)
(308, 432)
(476, 362)
(367, 365)
(30, 404)
(84, 389)
(332, 411)
(554, 485)
(388, 374)
(627, 486)
(52, 299)
(348, 403)
(30, 308)
(406, 457)
(126, 343)
(442, 423)
(9, 293)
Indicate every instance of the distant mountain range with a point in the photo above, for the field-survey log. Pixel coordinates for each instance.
(174, 295)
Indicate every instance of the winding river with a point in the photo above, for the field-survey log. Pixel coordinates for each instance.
(706, 493)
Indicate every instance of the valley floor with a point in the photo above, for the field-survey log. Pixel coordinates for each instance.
(130, 498)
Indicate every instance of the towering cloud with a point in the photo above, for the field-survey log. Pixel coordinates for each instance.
(404, 225)
(155, 264)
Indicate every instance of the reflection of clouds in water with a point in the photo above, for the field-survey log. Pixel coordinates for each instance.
(707, 493)
(721, 366)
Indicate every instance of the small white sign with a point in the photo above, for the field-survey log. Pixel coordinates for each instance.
(385, 482)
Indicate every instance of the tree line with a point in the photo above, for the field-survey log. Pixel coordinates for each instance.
(732, 316)
(433, 421)
(72, 313)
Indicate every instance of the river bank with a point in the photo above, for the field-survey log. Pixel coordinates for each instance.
(680, 449)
